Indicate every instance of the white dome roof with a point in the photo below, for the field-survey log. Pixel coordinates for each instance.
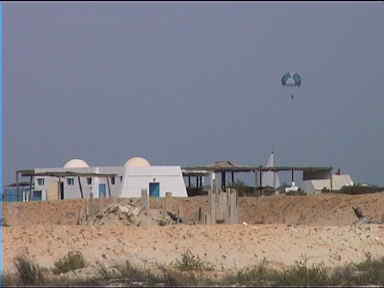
(137, 162)
(76, 163)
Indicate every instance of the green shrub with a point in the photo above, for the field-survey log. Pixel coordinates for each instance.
(367, 272)
(127, 272)
(72, 261)
(301, 274)
(28, 272)
(359, 189)
(370, 271)
(259, 274)
(299, 192)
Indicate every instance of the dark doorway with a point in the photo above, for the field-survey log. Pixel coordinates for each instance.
(154, 190)
(61, 190)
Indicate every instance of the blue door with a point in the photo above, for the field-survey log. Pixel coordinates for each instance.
(154, 190)
(102, 191)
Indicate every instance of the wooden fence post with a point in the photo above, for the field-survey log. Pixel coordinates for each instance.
(145, 198)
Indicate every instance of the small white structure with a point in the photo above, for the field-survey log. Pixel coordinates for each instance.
(271, 178)
(157, 180)
(338, 181)
(292, 188)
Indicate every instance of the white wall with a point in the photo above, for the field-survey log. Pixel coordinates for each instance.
(137, 178)
(132, 178)
(338, 181)
(73, 191)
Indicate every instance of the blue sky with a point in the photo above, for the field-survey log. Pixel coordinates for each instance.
(191, 83)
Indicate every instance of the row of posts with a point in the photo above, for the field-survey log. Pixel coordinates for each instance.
(164, 202)
(223, 206)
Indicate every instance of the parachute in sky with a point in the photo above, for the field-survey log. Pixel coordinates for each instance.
(291, 81)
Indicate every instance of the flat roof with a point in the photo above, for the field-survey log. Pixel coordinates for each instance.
(63, 174)
(195, 172)
(242, 168)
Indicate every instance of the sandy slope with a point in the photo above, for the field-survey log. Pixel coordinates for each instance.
(225, 246)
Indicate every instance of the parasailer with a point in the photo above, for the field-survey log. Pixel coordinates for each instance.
(291, 81)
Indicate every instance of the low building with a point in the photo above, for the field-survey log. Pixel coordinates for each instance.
(315, 186)
(156, 179)
(79, 180)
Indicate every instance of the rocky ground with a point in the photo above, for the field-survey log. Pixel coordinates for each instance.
(281, 229)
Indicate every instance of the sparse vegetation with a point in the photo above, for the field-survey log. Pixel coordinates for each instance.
(368, 272)
(128, 271)
(302, 273)
(190, 262)
(298, 274)
(72, 261)
(28, 272)
(129, 274)
(356, 189)
(359, 189)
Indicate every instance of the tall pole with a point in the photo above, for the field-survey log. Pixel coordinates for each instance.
(256, 182)
(109, 187)
(30, 188)
(213, 181)
(260, 178)
(17, 183)
(81, 188)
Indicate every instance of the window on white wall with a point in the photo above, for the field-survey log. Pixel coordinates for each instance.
(113, 180)
(40, 181)
(89, 180)
(37, 195)
(70, 181)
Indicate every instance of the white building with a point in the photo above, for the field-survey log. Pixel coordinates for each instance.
(158, 180)
(79, 180)
(315, 186)
(271, 178)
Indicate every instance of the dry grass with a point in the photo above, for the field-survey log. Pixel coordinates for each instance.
(368, 272)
